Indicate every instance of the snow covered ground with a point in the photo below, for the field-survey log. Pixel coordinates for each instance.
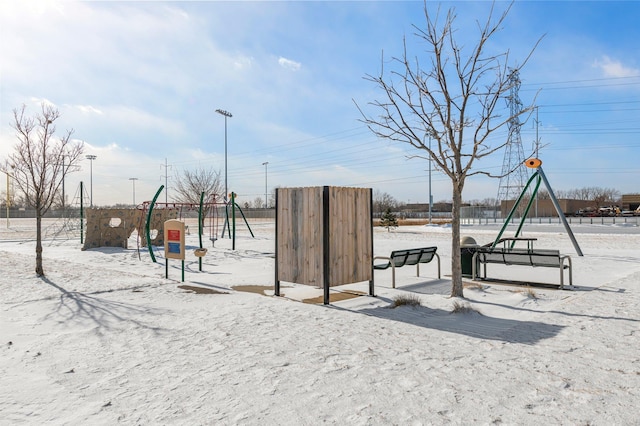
(105, 339)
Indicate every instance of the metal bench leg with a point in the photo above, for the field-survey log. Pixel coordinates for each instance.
(474, 269)
(562, 259)
(393, 275)
(418, 266)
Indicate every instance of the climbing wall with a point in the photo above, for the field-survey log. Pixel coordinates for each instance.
(113, 227)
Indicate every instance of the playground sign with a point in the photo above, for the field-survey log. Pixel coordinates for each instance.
(174, 239)
(173, 243)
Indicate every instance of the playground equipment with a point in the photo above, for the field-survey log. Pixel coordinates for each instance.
(113, 227)
(539, 177)
(209, 208)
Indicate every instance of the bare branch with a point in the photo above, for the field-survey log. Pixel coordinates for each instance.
(36, 164)
(455, 102)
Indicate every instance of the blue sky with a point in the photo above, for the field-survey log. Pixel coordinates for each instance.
(139, 82)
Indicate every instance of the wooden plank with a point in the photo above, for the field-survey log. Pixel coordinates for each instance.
(301, 235)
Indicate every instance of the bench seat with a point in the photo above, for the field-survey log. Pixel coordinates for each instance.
(524, 257)
(400, 258)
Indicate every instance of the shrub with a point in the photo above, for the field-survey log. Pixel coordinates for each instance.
(406, 300)
(530, 293)
(389, 220)
(463, 308)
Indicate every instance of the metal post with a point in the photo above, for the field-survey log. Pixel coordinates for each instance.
(276, 286)
(8, 200)
(266, 203)
(556, 204)
(226, 115)
(200, 220)
(133, 181)
(63, 184)
(537, 152)
(81, 212)
(8, 197)
(147, 227)
(430, 196)
(233, 220)
(91, 158)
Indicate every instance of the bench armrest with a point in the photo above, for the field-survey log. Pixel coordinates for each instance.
(569, 266)
(382, 266)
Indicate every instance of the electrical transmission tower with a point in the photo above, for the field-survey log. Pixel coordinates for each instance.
(514, 173)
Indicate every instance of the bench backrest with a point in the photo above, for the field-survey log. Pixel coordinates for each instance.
(412, 256)
(519, 256)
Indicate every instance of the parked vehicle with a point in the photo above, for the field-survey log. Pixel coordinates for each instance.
(587, 212)
(609, 211)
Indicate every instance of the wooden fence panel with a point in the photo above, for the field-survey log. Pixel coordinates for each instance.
(303, 242)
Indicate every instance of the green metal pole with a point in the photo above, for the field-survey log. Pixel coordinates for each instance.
(245, 220)
(526, 211)
(556, 204)
(513, 210)
(148, 225)
(200, 229)
(81, 215)
(233, 219)
(226, 220)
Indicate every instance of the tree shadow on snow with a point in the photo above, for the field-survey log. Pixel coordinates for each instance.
(472, 324)
(105, 314)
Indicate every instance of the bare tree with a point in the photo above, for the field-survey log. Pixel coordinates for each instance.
(190, 185)
(38, 163)
(383, 201)
(453, 101)
(604, 196)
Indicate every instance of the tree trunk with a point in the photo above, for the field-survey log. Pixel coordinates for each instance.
(39, 269)
(456, 264)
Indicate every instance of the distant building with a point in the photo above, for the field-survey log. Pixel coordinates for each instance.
(630, 201)
(424, 207)
(545, 207)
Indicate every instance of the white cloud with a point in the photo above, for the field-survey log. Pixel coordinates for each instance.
(615, 69)
(242, 62)
(42, 101)
(289, 64)
(88, 109)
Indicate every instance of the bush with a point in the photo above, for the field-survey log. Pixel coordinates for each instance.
(463, 308)
(406, 300)
(530, 293)
(389, 220)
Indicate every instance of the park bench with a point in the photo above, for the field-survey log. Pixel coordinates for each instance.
(523, 257)
(400, 258)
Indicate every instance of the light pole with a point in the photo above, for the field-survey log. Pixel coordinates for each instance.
(91, 157)
(226, 115)
(8, 197)
(133, 181)
(430, 196)
(266, 204)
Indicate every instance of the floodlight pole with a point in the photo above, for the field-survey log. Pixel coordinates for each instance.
(226, 115)
(91, 157)
(266, 203)
(8, 197)
(133, 181)
(430, 196)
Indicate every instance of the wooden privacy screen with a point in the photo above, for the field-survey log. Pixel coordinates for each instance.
(324, 236)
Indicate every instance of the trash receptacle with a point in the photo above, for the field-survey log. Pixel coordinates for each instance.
(468, 248)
